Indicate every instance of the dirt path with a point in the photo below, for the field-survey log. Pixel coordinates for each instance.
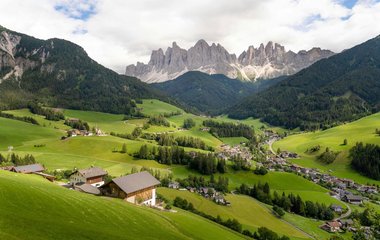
(348, 213)
(270, 143)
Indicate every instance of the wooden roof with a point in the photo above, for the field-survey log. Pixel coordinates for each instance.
(136, 182)
(87, 188)
(91, 172)
(29, 168)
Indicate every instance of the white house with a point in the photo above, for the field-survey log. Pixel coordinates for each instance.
(93, 175)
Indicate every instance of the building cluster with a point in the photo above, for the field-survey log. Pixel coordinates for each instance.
(340, 188)
(227, 152)
(76, 132)
(339, 225)
(138, 188)
(206, 192)
(344, 225)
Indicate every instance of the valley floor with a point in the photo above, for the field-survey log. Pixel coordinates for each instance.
(45, 144)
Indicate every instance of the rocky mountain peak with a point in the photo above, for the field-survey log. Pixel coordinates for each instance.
(266, 61)
(201, 43)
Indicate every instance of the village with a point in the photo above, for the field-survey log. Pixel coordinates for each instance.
(342, 189)
(140, 187)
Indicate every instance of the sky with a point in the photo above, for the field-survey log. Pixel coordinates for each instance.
(117, 33)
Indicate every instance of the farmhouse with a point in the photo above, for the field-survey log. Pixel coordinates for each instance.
(93, 175)
(32, 168)
(174, 185)
(353, 199)
(336, 208)
(346, 223)
(333, 226)
(36, 169)
(137, 188)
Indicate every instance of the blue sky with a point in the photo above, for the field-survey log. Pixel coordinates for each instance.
(349, 3)
(77, 9)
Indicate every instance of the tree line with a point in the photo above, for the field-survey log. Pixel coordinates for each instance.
(159, 120)
(366, 159)
(16, 160)
(77, 124)
(239, 163)
(204, 163)
(47, 112)
(221, 184)
(225, 129)
(24, 119)
(289, 203)
(328, 156)
(188, 123)
(184, 141)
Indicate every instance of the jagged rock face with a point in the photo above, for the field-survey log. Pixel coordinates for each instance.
(8, 45)
(256, 63)
(14, 61)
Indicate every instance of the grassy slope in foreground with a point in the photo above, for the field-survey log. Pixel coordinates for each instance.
(253, 214)
(362, 130)
(33, 207)
(246, 210)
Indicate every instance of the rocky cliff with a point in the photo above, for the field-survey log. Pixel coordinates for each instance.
(59, 73)
(263, 62)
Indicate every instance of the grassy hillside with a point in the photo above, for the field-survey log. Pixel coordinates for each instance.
(33, 208)
(361, 130)
(243, 208)
(82, 152)
(154, 107)
(253, 214)
(16, 133)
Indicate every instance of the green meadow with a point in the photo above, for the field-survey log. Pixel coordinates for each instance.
(254, 214)
(152, 107)
(248, 211)
(33, 208)
(103, 151)
(362, 130)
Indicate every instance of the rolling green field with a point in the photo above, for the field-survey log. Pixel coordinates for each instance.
(234, 140)
(362, 130)
(246, 210)
(152, 107)
(33, 208)
(253, 214)
(103, 151)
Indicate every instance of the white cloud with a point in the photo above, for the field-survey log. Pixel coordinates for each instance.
(120, 32)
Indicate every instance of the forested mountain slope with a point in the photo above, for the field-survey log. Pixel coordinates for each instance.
(61, 74)
(341, 88)
(211, 93)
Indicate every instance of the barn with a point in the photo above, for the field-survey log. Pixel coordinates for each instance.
(137, 188)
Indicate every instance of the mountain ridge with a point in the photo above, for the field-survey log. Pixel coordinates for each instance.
(269, 61)
(59, 73)
(341, 88)
(210, 94)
